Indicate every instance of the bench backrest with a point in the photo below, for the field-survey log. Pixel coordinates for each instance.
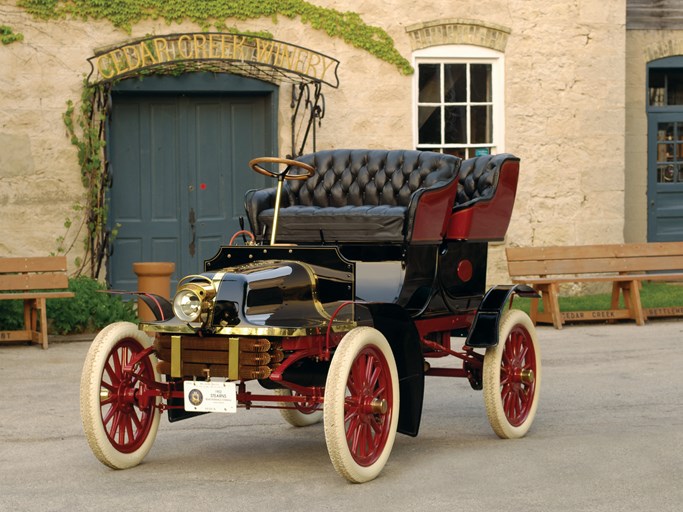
(594, 259)
(40, 273)
(360, 177)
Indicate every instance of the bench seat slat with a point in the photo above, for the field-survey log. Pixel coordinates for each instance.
(40, 281)
(593, 279)
(594, 251)
(595, 265)
(36, 295)
(38, 264)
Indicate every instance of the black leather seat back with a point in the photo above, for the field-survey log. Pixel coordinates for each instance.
(353, 177)
(478, 179)
(355, 195)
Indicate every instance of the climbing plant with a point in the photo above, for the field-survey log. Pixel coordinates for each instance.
(85, 125)
(7, 35)
(124, 14)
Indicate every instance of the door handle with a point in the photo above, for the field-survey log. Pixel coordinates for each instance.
(193, 232)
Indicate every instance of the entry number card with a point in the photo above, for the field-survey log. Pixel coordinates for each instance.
(203, 396)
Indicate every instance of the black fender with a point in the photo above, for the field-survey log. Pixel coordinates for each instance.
(400, 331)
(160, 306)
(484, 331)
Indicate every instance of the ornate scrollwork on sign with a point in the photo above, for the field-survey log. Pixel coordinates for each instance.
(308, 108)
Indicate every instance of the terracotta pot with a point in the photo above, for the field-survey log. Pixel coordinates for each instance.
(153, 277)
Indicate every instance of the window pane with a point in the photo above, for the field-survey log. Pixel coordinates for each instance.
(480, 151)
(656, 84)
(666, 173)
(480, 83)
(456, 125)
(665, 131)
(429, 119)
(455, 83)
(430, 83)
(674, 87)
(662, 152)
(459, 152)
(481, 125)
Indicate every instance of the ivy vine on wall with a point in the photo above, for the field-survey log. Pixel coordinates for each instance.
(124, 14)
(85, 126)
(7, 35)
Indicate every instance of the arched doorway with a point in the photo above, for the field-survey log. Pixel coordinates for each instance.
(178, 149)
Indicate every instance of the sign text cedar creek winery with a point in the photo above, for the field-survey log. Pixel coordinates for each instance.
(237, 49)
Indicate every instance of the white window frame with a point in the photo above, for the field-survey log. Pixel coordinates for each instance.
(466, 54)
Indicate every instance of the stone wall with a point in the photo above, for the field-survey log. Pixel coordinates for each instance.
(564, 97)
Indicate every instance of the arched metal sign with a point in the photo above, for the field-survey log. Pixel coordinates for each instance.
(247, 55)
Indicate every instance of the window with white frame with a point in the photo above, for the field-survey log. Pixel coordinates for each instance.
(459, 100)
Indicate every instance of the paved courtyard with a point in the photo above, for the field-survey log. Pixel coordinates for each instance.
(608, 436)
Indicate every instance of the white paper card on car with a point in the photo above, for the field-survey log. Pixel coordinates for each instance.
(203, 396)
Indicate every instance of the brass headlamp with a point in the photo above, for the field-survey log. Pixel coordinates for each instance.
(194, 299)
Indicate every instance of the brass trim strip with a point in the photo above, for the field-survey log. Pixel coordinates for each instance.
(234, 359)
(176, 357)
(253, 330)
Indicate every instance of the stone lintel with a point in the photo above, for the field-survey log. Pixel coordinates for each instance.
(458, 31)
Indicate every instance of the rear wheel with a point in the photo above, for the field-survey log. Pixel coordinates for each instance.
(512, 376)
(119, 429)
(361, 405)
(303, 414)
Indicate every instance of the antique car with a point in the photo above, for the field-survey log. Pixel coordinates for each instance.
(363, 270)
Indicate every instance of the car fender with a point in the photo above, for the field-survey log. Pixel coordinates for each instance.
(484, 331)
(400, 331)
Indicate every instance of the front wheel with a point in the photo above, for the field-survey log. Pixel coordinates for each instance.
(119, 430)
(512, 376)
(361, 405)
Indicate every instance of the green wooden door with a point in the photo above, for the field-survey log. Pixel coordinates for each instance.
(665, 177)
(179, 165)
(665, 150)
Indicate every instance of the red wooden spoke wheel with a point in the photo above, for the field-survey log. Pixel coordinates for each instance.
(512, 376)
(119, 426)
(126, 424)
(361, 405)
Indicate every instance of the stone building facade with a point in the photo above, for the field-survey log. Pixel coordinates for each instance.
(564, 92)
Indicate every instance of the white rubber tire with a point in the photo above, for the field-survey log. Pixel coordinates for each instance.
(365, 348)
(295, 417)
(511, 400)
(92, 381)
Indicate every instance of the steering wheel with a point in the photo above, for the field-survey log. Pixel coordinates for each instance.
(254, 164)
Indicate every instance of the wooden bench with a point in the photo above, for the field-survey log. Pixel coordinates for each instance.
(32, 280)
(624, 265)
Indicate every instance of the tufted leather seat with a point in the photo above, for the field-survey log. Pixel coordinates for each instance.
(355, 196)
(478, 179)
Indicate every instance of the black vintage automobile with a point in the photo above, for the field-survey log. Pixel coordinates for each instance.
(362, 270)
